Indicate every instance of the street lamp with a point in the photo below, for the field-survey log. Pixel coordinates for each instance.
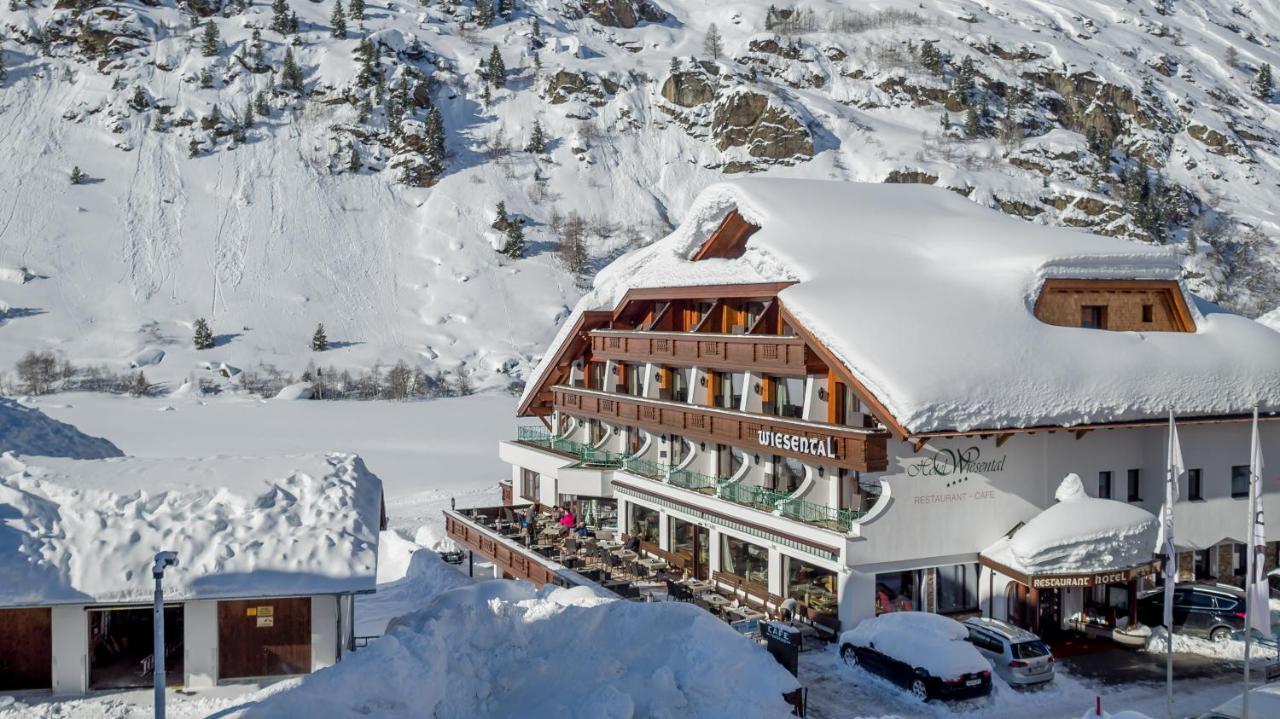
(163, 561)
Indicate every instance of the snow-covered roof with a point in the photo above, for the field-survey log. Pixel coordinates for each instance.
(927, 641)
(1079, 535)
(928, 300)
(85, 531)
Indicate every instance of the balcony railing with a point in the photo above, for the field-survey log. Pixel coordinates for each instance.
(696, 481)
(646, 468)
(837, 446)
(585, 453)
(759, 353)
(840, 520)
(765, 500)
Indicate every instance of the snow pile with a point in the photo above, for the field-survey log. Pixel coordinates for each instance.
(1079, 534)
(928, 641)
(1271, 319)
(148, 357)
(503, 649)
(407, 576)
(965, 278)
(1264, 701)
(297, 390)
(27, 430)
(86, 531)
(13, 275)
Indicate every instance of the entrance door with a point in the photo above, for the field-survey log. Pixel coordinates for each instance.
(1050, 613)
(264, 637)
(121, 643)
(702, 553)
(26, 649)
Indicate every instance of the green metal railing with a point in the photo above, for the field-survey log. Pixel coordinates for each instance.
(585, 453)
(645, 467)
(696, 481)
(752, 496)
(838, 519)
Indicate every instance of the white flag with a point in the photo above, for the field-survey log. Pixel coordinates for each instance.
(1175, 469)
(1256, 587)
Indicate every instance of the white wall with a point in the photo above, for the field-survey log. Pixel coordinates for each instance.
(324, 632)
(70, 649)
(200, 644)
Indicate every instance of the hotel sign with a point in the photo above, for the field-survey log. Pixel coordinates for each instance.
(816, 446)
(1071, 581)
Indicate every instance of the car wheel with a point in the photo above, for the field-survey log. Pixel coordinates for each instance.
(920, 690)
(1220, 634)
(849, 656)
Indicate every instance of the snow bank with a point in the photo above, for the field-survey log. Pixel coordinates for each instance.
(148, 357)
(1079, 534)
(928, 641)
(503, 649)
(87, 530)
(14, 275)
(871, 260)
(27, 430)
(1271, 319)
(421, 575)
(297, 390)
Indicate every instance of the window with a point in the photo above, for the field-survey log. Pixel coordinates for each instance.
(729, 389)
(744, 559)
(1148, 313)
(813, 585)
(595, 375)
(643, 523)
(1135, 485)
(1030, 650)
(788, 397)
(529, 484)
(1104, 485)
(1093, 317)
(1195, 490)
(1240, 481)
(982, 640)
(788, 473)
(731, 459)
(1202, 565)
(679, 379)
(957, 588)
(898, 591)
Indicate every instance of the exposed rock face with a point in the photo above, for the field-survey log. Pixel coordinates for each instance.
(567, 85)
(691, 87)
(622, 13)
(761, 125)
(910, 177)
(1215, 141)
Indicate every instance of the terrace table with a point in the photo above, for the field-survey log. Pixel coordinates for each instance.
(744, 613)
(715, 600)
(699, 586)
(625, 554)
(653, 563)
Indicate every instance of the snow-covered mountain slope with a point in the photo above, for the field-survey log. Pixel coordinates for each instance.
(334, 207)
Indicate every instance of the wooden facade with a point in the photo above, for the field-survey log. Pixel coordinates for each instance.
(514, 563)
(735, 353)
(729, 240)
(26, 650)
(264, 637)
(860, 450)
(1123, 305)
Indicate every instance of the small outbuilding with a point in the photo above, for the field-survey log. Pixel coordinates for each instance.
(271, 553)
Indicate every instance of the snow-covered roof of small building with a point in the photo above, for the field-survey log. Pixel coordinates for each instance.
(1079, 535)
(86, 531)
(928, 300)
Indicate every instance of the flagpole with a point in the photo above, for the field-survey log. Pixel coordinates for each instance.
(1170, 573)
(1249, 581)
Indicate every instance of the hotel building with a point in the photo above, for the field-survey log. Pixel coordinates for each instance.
(858, 395)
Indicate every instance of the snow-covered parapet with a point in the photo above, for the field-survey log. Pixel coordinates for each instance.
(1083, 534)
(86, 531)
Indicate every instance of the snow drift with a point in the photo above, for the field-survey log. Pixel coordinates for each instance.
(503, 649)
(27, 430)
(86, 531)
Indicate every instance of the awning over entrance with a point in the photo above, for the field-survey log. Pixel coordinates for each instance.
(1081, 541)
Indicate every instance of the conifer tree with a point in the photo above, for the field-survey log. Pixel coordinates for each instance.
(291, 74)
(1264, 85)
(712, 42)
(4, 72)
(537, 139)
(319, 340)
(260, 104)
(506, 8)
(280, 16)
(206, 78)
(193, 148)
(139, 387)
(139, 100)
(514, 248)
(209, 45)
(972, 124)
(338, 20)
(434, 136)
(292, 28)
(930, 57)
(500, 220)
(203, 336)
(353, 162)
(77, 176)
(355, 9)
(573, 246)
(483, 13)
(497, 70)
(246, 117)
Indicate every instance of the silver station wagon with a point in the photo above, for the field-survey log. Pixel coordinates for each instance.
(1017, 655)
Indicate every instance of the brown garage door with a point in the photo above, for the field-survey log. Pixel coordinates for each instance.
(26, 649)
(264, 637)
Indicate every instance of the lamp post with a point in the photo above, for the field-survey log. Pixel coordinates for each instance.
(163, 561)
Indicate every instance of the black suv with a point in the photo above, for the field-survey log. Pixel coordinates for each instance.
(1206, 610)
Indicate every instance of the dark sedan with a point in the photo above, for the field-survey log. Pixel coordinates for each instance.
(925, 653)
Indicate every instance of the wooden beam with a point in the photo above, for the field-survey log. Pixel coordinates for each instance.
(729, 240)
(918, 444)
(1002, 439)
(1082, 432)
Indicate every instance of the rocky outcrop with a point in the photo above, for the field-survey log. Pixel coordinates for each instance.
(587, 87)
(910, 177)
(691, 87)
(1216, 142)
(621, 13)
(761, 125)
(789, 60)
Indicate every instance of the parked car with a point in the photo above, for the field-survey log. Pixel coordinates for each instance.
(1264, 701)
(1206, 610)
(925, 653)
(1016, 654)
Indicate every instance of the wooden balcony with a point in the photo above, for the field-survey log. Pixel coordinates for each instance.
(757, 353)
(853, 448)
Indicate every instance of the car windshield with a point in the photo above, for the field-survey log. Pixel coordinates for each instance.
(1030, 650)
